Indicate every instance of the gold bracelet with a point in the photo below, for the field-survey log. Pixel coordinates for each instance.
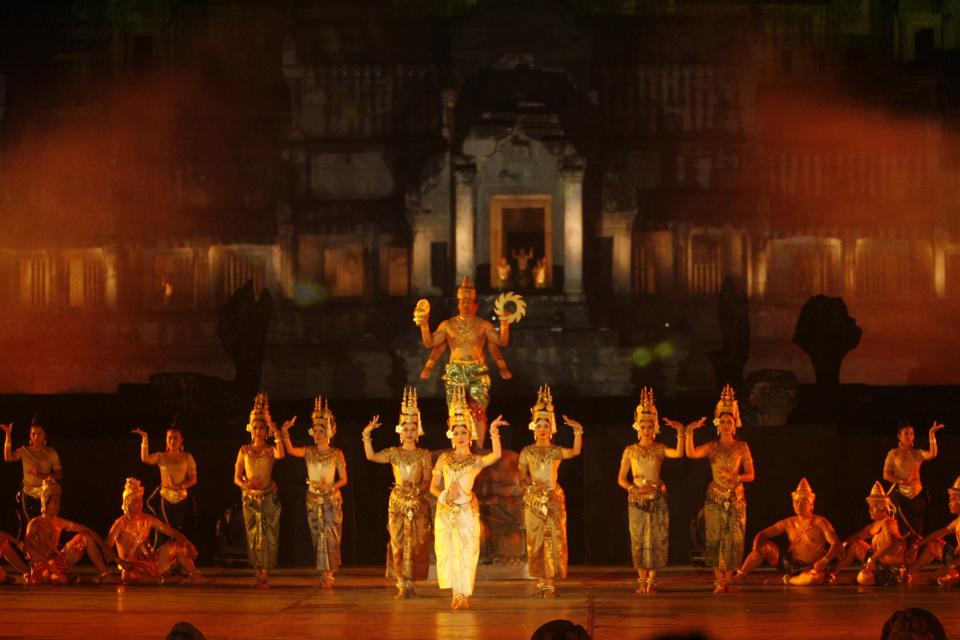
(501, 364)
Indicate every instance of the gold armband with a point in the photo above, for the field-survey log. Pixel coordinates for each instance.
(501, 364)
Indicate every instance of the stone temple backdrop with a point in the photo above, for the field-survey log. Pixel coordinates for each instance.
(616, 162)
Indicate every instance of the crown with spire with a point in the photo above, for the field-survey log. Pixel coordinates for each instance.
(322, 416)
(543, 409)
(466, 289)
(260, 411)
(646, 410)
(459, 412)
(727, 404)
(409, 409)
(804, 490)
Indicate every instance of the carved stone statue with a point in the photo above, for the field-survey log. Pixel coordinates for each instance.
(733, 315)
(826, 332)
(242, 328)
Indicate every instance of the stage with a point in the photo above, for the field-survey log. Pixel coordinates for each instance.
(360, 606)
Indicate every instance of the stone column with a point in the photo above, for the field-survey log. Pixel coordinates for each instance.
(286, 241)
(464, 241)
(111, 282)
(619, 226)
(939, 263)
(572, 171)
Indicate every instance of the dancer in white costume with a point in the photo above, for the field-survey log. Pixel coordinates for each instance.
(457, 525)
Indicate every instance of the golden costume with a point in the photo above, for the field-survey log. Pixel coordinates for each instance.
(131, 534)
(647, 513)
(457, 523)
(544, 508)
(910, 497)
(48, 563)
(261, 507)
(457, 526)
(324, 502)
(408, 518)
(725, 508)
(890, 568)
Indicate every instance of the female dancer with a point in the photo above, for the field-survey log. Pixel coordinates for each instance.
(178, 474)
(725, 508)
(544, 509)
(902, 468)
(253, 473)
(40, 463)
(457, 525)
(326, 473)
(408, 512)
(646, 494)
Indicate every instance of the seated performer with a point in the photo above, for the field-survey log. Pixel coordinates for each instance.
(178, 474)
(812, 543)
(253, 473)
(39, 463)
(902, 468)
(457, 523)
(408, 512)
(130, 534)
(647, 510)
(544, 508)
(8, 549)
(934, 545)
(49, 564)
(326, 473)
(883, 557)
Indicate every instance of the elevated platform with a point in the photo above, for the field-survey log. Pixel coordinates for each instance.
(360, 606)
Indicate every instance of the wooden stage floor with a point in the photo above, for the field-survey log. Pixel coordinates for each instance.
(360, 606)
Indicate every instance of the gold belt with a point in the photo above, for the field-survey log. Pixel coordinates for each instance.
(724, 497)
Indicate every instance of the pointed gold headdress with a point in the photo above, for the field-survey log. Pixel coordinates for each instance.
(727, 404)
(467, 290)
(48, 489)
(409, 409)
(543, 410)
(459, 412)
(132, 487)
(646, 410)
(322, 417)
(804, 490)
(879, 496)
(260, 411)
(955, 489)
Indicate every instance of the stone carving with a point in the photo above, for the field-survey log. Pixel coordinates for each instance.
(501, 512)
(826, 332)
(771, 396)
(734, 318)
(242, 328)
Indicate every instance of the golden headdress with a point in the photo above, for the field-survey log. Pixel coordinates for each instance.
(647, 409)
(323, 417)
(804, 490)
(409, 409)
(955, 489)
(467, 290)
(727, 404)
(132, 487)
(260, 411)
(459, 412)
(879, 496)
(48, 489)
(543, 409)
(35, 420)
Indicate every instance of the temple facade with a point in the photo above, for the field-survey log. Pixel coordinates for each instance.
(616, 163)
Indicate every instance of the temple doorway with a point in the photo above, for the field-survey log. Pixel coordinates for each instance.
(521, 242)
